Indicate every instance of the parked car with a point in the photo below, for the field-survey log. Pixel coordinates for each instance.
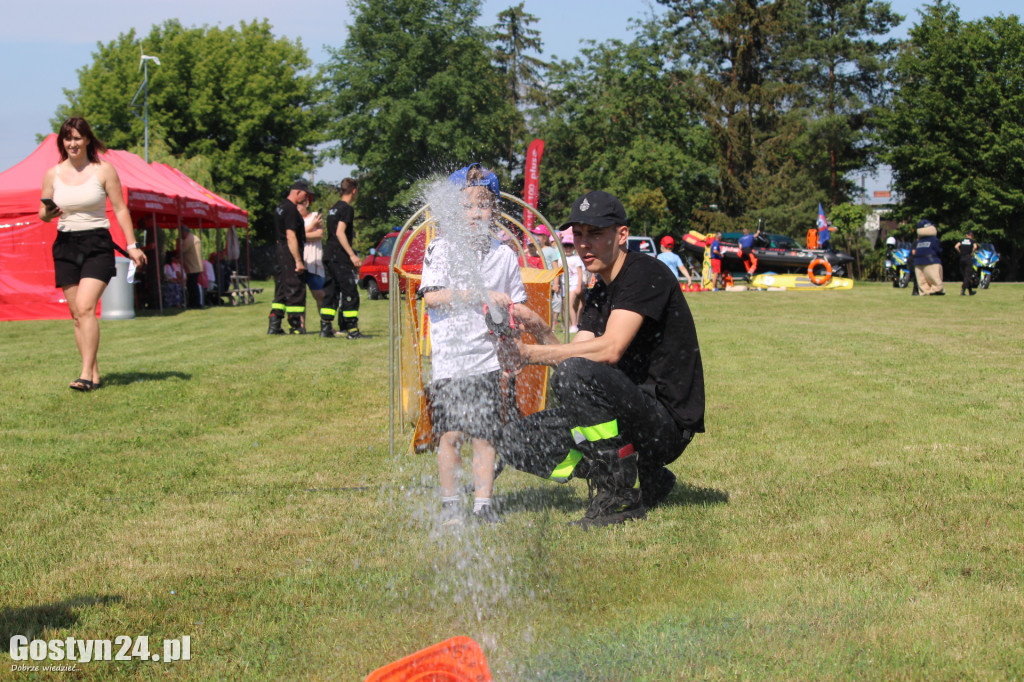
(373, 273)
(642, 244)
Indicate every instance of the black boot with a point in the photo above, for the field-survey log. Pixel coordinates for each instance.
(352, 329)
(295, 324)
(275, 325)
(326, 329)
(655, 485)
(617, 498)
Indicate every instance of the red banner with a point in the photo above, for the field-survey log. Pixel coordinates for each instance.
(531, 182)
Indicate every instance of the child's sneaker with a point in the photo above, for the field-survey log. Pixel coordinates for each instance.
(486, 514)
(451, 515)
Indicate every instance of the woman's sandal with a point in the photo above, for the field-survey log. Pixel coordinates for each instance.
(83, 385)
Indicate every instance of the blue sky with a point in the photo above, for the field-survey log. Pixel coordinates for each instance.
(43, 46)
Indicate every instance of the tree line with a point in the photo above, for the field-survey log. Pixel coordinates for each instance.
(714, 115)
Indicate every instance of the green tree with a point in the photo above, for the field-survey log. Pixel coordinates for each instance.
(617, 119)
(239, 98)
(849, 220)
(955, 131)
(733, 46)
(514, 40)
(414, 90)
(843, 70)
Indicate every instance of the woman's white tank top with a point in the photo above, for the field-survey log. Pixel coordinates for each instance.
(84, 206)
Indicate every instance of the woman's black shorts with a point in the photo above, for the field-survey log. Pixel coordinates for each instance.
(77, 255)
(471, 405)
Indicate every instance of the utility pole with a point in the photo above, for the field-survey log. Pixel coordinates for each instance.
(144, 90)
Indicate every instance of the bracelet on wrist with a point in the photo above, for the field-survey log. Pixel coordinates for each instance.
(133, 246)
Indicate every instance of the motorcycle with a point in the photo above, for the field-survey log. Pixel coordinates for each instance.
(896, 268)
(985, 259)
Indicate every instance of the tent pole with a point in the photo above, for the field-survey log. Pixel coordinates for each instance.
(159, 269)
(181, 259)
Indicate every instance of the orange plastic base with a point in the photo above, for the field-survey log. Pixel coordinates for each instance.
(458, 659)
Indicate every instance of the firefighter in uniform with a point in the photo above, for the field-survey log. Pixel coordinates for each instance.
(289, 287)
(630, 384)
(966, 248)
(341, 268)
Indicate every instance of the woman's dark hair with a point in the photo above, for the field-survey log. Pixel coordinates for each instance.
(95, 148)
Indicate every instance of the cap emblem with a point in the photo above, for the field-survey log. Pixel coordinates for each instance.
(585, 206)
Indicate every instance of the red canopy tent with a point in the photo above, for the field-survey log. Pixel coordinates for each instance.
(228, 214)
(27, 289)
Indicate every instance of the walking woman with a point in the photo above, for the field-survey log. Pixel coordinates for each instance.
(76, 191)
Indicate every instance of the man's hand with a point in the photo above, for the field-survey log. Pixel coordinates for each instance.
(356, 260)
(533, 323)
(300, 267)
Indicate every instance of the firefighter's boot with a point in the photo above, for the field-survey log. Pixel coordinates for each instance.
(295, 324)
(615, 486)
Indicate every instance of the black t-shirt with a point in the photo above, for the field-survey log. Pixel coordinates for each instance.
(664, 356)
(966, 249)
(287, 217)
(340, 212)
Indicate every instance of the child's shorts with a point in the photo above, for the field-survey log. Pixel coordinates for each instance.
(716, 265)
(470, 404)
(85, 254)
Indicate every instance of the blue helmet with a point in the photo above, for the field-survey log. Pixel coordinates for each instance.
(489, 179)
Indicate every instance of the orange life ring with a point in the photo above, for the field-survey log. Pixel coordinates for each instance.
(820, 280)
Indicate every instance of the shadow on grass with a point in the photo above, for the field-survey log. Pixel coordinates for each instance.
(125, 378)
(168, 311)
(563, 497)
(570, 498)
(686, 494)
(31, 621)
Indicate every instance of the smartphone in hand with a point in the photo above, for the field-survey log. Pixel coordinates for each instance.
(50, 206)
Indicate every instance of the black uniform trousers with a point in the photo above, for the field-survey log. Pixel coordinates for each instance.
(341, 294)
(967, 269)
(289, 290)
(592, 395)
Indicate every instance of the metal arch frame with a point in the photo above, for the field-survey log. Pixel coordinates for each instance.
(395, 336)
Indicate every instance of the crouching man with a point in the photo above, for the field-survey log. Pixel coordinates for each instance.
(630, 384)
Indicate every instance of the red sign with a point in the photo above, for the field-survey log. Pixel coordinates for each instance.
(531, 182)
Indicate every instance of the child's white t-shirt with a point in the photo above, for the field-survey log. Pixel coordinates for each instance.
(575, 264)
(460, 342)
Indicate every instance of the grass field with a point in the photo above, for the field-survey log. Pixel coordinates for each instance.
(854, 510)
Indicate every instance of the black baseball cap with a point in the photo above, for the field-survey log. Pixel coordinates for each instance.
(304, 186)
(598, 209)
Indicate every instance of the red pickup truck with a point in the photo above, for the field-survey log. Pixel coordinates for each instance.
(373, 273)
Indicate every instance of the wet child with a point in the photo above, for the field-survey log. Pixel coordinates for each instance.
(465, 269)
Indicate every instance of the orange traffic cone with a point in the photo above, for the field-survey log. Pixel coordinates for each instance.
(458, 659)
